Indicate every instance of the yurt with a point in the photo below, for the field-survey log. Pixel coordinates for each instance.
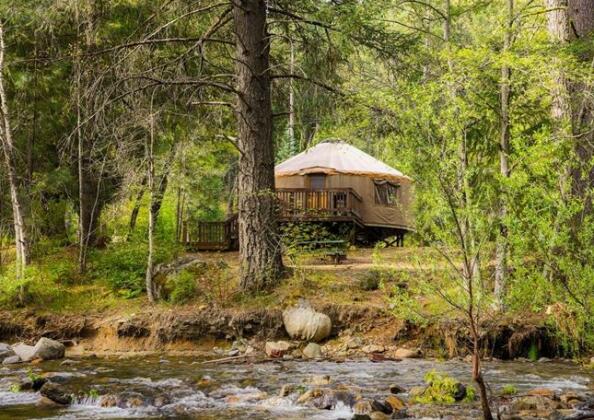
(336, 182)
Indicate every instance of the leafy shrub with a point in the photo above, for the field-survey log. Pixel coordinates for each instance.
(122, 266)
(509, 390)
(184, 287)
(443, 389)
(36, 287)
(370, 280)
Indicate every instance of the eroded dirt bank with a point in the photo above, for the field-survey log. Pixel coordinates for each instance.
(199, 329)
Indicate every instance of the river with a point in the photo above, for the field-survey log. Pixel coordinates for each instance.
(183, 387)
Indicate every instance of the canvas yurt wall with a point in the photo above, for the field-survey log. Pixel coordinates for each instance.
(372, 214)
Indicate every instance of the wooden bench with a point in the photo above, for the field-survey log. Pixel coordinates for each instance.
(336, 249)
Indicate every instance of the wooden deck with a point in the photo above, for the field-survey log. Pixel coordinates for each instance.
(295, 204)
(211, 236)
(330, 204)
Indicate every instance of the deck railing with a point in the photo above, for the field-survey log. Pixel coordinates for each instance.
(295, 204)
(210, 235)
(322, 204)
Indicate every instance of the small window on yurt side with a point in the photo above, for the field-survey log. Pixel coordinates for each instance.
(317, 181)
(386, 193)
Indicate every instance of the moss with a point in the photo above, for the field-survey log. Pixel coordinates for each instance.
(443, 389)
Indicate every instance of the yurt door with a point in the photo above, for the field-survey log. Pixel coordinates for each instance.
(317, 196)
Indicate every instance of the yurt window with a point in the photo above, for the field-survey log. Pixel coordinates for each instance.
(386, 193)
(317, 181)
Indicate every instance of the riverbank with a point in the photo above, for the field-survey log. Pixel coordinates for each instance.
(355, 327)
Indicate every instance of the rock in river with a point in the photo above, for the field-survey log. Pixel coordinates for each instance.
(45, 349)
(403, 353)
(11, 360)
(55, 393)
(24, 352)
(276, 348)
(304, 323)
(5, 351)
(312, 351)
(48, 349)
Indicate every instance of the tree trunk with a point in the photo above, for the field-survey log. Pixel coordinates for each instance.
(259, 242)
(505, 97)
(572, 108)
(291, 122)
(89, 202)
(22, 246)
(136, 208)
(150, 290)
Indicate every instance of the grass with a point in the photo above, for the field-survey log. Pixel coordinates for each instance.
(115, 279)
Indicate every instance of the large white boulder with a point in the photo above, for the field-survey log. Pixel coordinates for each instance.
(24, 351)
(48, 349)
(45, 349)
(304, 323)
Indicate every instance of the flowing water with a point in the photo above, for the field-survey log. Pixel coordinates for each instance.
(149, 387)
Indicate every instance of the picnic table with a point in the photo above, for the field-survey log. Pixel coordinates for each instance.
(336, 249)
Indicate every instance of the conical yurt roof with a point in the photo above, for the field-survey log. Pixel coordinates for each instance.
(334, 157)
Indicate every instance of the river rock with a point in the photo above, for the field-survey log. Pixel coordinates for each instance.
(403, 353)
(395, 403)
(534, 402)
(416, 391)
(313, 351)
(572, 399)
(319, 398)
(34, 384)
(373, 348)
(130, 399)
(108, 400)
(48, 349)
(353, 343)
(319, 380)
(378, 415)
(55, 393)
(304, 323)
(5, 351)
(24, 351)
(460, 392)
(397, 389)
(11, 360)
(543, 392)
(276, 348)
(45, 403)
(286, 390)
(381, 406)
(62, 377)
(363, 407)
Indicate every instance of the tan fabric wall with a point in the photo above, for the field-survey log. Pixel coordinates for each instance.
(371, 213)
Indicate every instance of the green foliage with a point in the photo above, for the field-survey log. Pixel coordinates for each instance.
(36, 287)
(370, 280)
(509, 390)
(183, 287)
(15, 388)
(122, 266)
(443, 389)
(533, 352)
(32, 375)
(93, 393)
